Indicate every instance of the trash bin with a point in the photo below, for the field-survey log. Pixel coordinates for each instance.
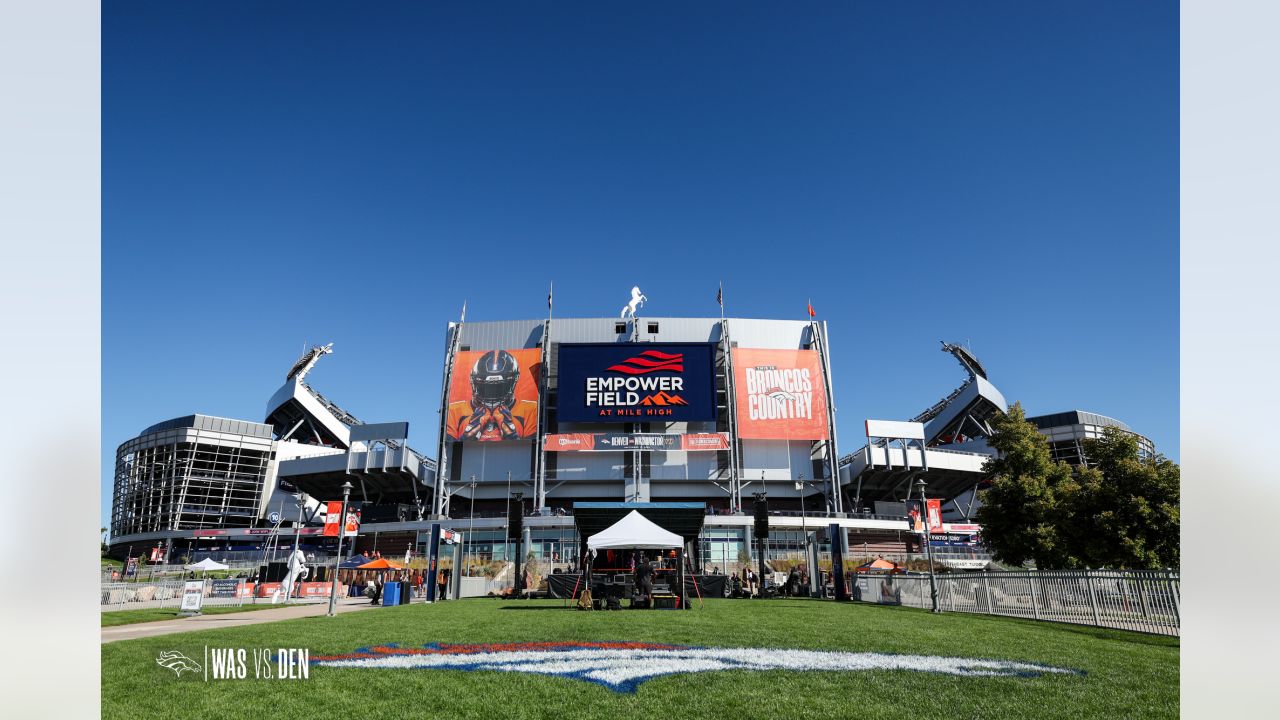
(406, 593)
(391, 594)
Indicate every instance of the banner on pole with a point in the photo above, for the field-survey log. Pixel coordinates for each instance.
(934, 515)
(333, 517)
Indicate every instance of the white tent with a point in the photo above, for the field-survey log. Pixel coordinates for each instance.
(206, 564)
(634, 531)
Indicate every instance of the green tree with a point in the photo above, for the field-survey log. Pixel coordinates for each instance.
(1026, 513)
(1126, 512)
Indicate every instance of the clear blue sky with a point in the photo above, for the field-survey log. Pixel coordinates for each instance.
(1001, 173)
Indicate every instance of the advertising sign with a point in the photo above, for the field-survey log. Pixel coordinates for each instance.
(597, 442)
(636, 382)
(333, 512)
(192, 595)
(225, 588)
(493, 395)
(780, 394)
(934, 515)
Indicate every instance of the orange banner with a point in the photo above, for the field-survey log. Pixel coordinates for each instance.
(332, 516)
(493, 395)
(780, 394)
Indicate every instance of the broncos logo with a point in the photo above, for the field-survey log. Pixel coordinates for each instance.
(623, 666)
(178, 663)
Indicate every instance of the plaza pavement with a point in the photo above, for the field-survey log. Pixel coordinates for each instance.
(213, 622)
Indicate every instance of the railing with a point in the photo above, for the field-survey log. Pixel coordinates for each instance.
(168, 593)
(1139, 600)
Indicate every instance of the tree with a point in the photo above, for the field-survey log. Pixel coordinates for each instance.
(1120, 511)
(1127, 508)
(1026, 511)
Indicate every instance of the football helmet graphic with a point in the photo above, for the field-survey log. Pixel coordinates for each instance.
(493, 380)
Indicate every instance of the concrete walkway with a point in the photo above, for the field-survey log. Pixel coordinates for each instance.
(213, 622)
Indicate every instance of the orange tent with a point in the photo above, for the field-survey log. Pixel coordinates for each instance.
(379, 564)
(877, 564)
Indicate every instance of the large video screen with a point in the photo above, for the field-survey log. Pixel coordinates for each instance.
(493, 395)
(636, 382)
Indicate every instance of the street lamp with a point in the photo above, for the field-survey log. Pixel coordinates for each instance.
(342, 530)
(471, 522)
(928, 551)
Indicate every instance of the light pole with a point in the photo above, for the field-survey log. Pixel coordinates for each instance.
(342, 530)
(471, 522)
(928, 551)
(804, 524)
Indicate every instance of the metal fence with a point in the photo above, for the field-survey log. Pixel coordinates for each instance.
(1144, 601)
(168, 593)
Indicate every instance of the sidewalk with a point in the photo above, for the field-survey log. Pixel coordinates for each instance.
(213, 622)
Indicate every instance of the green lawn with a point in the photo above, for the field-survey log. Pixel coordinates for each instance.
(1125, 675)
(129, 617)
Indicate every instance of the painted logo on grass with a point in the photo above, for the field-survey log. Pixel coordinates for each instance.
(178, 663)
(623, 666)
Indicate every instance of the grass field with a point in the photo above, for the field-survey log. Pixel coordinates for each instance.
(130, 617)
(1125, 675)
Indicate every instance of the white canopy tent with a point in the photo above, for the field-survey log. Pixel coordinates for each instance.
(637, 532)
(206, 564)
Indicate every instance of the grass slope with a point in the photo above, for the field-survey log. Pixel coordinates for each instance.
(1127, 675)
(129, 617)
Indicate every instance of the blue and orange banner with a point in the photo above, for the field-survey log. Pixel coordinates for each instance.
(632, 382)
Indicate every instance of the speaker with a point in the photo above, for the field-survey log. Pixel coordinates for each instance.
(515, 520)
(274, 571)
(762, 519)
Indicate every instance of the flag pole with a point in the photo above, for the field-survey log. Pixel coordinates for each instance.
(540, 480)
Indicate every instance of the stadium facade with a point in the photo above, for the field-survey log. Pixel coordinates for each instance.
(548, 413)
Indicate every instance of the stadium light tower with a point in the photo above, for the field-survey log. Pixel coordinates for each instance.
(342, 530)
(928, 551)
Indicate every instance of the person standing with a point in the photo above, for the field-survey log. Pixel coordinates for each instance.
(644, 580)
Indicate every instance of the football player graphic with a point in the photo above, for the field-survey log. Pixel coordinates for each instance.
(493, 413)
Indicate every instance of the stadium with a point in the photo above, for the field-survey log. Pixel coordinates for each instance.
(549, 423)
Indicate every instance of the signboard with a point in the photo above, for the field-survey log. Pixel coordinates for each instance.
(131, 567)
(157, 554)
(933, 513)
(368, 432)
(493, 395)
(895, 429)
(636, 382)
(225, 588)
(333, 511)
(779, 394)
(598, 442)
(192, 596)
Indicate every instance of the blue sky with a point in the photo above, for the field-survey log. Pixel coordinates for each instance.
(997, 173)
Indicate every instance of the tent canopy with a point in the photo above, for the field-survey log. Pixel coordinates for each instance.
(634, 531)
(353, 562)
(206, 564)
(380, 564)
(877, 564)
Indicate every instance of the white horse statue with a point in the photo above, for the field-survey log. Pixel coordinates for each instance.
(298, 570)
(637, 300)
